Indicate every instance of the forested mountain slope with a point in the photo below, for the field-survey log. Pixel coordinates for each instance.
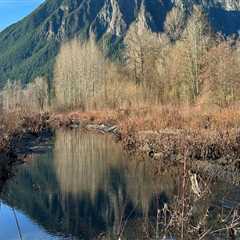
(28, 48)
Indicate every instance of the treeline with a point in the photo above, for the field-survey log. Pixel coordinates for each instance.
(85, 79)
(188, 64)
(185, 65)
(33, 98)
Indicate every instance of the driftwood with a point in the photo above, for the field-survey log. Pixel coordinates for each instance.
(195, 186)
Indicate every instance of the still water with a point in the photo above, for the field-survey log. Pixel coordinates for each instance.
(86, 187)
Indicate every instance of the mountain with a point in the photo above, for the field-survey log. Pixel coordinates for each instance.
(28, 48)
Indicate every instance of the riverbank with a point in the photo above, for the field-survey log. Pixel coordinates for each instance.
(19, 130)
(206, 139)
(166, 134)
(202, 156)
(158, 132)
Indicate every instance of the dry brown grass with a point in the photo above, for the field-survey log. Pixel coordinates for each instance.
(182, 118)
(98, 117)
(208, 134)
(15, 124)
(156, 118)
(205, 135)
(202, 131)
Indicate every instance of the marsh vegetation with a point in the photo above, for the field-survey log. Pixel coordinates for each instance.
(173, 100)
(84, 186)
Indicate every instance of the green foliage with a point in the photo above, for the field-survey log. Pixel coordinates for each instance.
(28, 48)
(25, 50)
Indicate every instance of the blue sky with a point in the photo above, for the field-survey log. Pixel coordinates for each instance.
(12, 11)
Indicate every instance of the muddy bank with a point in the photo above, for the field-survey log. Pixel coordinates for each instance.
(28, 132)
(22, 149)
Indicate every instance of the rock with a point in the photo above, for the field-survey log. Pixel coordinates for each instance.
(158, 156)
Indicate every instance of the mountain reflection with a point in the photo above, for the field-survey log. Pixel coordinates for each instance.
(86, 186)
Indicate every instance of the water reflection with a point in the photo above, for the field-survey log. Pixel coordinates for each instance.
(92, 170)
(86, 187)
(27, 229)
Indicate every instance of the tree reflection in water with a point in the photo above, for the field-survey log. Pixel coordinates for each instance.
(86, 186)
(94, 170)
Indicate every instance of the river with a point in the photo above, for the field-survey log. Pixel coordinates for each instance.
(84, 186)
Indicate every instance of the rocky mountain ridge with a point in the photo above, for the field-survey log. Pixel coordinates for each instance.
(28, 48)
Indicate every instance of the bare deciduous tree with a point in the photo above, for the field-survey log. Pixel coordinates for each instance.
(174, 24)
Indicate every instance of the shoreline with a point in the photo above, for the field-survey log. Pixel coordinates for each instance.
(212, 152)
